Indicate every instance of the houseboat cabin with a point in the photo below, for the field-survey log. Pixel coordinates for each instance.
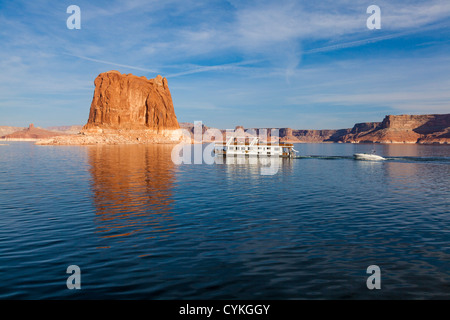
(253, 147)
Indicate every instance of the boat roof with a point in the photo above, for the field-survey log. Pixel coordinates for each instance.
(281, 144)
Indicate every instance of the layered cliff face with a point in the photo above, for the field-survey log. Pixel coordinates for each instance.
(128, 102)
(404, 129)
(312, 136)
(424, 129)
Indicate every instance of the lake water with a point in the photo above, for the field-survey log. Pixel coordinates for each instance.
(140, 227)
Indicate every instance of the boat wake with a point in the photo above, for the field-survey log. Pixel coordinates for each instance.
(445, 160)
(324, 157)
(420, 159)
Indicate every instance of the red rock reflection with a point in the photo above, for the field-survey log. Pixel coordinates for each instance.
(132, 189)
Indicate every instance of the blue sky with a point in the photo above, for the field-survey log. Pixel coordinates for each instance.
(298, 64)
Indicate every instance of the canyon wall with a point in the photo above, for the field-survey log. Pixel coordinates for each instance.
(432, 128)
(423, 129)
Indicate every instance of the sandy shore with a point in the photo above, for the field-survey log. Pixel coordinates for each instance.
(128, 137)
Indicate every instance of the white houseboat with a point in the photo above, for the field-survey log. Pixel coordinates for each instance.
(253, 147)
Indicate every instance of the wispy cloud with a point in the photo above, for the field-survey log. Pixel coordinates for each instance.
(356, 43)
(113, 63)
(366, 41)
(221, 67)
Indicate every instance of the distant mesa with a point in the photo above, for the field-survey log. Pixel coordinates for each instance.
(422, 129)
(32, 133)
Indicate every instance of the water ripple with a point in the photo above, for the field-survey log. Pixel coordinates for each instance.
(141, 227)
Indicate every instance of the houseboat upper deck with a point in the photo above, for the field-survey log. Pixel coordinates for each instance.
(253, 147)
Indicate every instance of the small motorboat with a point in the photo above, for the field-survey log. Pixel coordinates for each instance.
(368, 156)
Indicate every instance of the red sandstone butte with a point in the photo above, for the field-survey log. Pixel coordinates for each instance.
(126, 101)
(127, 109)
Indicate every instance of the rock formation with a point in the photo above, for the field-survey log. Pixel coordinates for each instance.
(125, 101)
(434, 128)
(127, 109)
(32, 133)
(311, 136)
(424, 129)
(5, 130)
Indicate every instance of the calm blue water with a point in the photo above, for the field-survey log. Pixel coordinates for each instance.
(140, 227)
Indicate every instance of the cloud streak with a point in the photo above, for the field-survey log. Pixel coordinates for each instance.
(222, 67)
(113, 63)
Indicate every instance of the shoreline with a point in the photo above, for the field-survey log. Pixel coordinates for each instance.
(131, 137)
(165, 141)
(134, 139)
(20, 139)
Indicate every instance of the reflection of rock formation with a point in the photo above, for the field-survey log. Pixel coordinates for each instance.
(401, 174)
(402, 150)
(132, 188)
(410, 167)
